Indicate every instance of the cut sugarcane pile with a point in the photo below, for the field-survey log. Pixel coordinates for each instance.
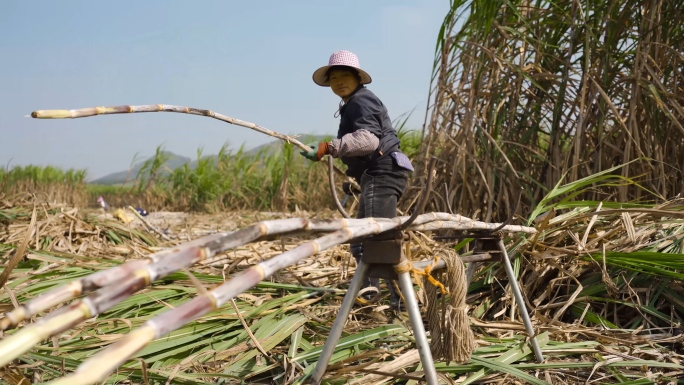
(589, 328)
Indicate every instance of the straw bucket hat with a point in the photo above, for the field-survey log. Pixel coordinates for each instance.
(340, 58)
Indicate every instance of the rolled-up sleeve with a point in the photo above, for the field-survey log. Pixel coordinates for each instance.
(357, 143)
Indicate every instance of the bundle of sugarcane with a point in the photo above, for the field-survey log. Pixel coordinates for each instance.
(118, 283)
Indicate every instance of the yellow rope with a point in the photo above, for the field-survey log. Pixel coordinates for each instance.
(407, 266)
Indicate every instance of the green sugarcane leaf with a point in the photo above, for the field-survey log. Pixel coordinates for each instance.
(270, 331)
(512, 355)
(295, 343)
(498, 366)
(355, 339)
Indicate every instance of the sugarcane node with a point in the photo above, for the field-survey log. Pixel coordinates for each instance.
(198, 111)
(7, 323)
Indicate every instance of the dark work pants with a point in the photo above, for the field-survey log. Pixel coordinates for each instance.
(381, 188)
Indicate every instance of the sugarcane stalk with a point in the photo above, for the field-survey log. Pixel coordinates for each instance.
(333, 191)
(119, 273)
(94, 111)
(439, 220)
(22, 341)
(161, 265)
(66, 317)
(102, 364)
(475, 225)
(89, 284)
(168, 261)
(69, 291)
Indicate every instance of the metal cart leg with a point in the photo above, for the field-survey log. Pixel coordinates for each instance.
(521, 302)
(418, 329)
(336, 330)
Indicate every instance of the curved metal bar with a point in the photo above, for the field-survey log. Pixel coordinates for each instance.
(331, 182)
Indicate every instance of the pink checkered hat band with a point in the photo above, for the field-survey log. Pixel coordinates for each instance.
(340, 58)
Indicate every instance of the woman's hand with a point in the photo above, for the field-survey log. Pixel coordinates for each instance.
(317, 151)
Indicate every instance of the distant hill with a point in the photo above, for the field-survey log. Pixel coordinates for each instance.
(120, 177)
(175, 160)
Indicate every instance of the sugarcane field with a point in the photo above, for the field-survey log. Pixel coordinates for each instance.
(492, 193)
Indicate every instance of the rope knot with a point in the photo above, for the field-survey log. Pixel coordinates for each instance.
(406, 266)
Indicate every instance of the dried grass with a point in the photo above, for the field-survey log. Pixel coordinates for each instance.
(597, 323)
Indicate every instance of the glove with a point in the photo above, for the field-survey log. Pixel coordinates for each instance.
(317, 151)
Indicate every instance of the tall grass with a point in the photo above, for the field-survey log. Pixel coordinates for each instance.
(67, 186)
(275, 179)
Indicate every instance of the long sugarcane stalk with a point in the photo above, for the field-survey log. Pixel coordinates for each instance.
(474, 225)
(183, 256)
(94, 111)
(103, 278)
(90, 283)
(130, 281)
(101, 365)
(119, 273)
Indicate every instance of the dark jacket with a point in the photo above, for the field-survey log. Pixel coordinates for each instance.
(363, 110)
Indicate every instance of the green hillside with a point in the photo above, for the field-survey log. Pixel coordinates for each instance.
(173, 161)
(120, 177)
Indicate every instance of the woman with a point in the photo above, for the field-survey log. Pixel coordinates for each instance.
(366, 143)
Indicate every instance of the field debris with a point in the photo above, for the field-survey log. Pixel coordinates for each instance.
(588, 329)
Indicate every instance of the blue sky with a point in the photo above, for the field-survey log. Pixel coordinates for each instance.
(248, 60)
